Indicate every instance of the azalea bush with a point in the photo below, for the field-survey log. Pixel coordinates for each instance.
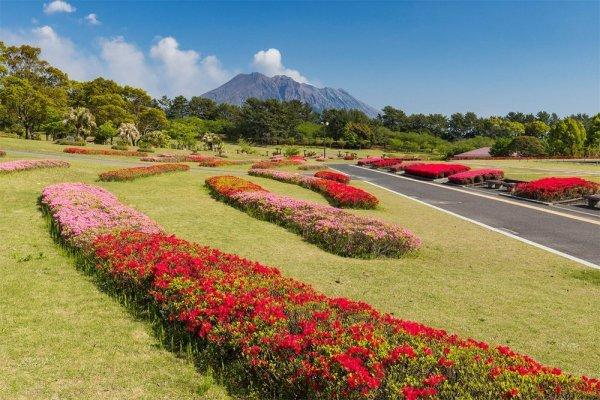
(333, 176)
(339, 194)
(330, 228)
(279, 336)
(402, 166)
(476, 176)
(368, 160)
(129, 174)
(104, 152)
(434, 171)
(556, 189)
(81, 212)
(385, 162)
(24, 165)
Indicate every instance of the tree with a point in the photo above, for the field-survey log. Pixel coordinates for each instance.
(357, 134)
(536, 129)
(567, 138)
(501, 148)
(129, 133)
(527, 146)
(203, 108)
(499, 127)
(82, 120)
(24, 104)
(593, 135)
(393, 118)
(105, 132)
(152, 119)
(337, 119)
(178, 108)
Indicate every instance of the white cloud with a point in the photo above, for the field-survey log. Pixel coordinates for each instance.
(92, 19)
(126, 64)
(269, 63)
(185, 71)
(57, 50)
(58, 6)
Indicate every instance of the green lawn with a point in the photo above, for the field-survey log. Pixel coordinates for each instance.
(60, 336)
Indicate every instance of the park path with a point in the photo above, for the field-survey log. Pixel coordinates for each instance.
(568, 234)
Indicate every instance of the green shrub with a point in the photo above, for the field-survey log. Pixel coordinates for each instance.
(291, 151)
(70, 142)
(527, 146)
(120, 145)
(501, 148)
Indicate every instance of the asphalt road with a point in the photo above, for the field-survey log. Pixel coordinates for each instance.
(576, 237)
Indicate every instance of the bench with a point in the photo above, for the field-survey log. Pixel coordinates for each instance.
(494, 183)
(592, 199)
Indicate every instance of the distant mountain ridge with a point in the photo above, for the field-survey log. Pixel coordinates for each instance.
(281, 87)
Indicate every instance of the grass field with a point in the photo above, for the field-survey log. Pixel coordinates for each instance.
(60, 336)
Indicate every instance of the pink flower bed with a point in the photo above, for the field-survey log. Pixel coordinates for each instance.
(24, 165)
(401, 166)
(82, 212)
(476, 176)
(556, 189)
(434, 171)
(368, 160)
(328, 227)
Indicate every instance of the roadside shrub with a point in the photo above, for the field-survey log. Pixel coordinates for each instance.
(368, 160)
(129, 174)
(434, 171)
(385, 162)
(556, 189)
(402, 166)
(339, 194)
(333, 176)
(284, 339)
(476, 176)
(24, 165)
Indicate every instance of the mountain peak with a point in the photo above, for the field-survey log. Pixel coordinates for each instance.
(284, 88)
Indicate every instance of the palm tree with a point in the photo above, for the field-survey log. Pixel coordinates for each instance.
(83, 121)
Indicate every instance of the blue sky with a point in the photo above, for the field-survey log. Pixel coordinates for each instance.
(486, 57)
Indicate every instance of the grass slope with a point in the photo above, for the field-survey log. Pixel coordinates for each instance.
(61, 336)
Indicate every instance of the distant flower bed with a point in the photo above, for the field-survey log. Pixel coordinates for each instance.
(129, 174)
(435, 171)
(220, 162)
(476, 176)
(24, 165)
(284, 339)
(82, 212)
(276, 163)
(368, 160)
(339, 194)
(556, 189)
(175, 158)
(402, 166)
(333, 176)
(385, 162)
(330, 228)
(104, 152)
(311, 167)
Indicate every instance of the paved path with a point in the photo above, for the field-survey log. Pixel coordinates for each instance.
(558, 231)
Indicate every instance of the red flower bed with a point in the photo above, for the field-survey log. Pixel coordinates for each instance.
(435, 171)
(129, 174)
(104, 152)
(556, 189)
(333, 176)
(339, 194)
(475, 176)
(288, 341)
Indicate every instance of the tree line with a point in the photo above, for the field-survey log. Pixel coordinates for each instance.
(37, 99)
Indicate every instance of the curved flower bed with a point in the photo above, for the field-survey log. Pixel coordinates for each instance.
(434, 171)
(82, 212)
(339, 194)
(276, 163)
(129, 174)
(556, 189)
(288, 341)
(312, 167)
(220, 162)
(104, 152)
(330, 228)
(476, 176)
(333, 176)
(24, 165)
